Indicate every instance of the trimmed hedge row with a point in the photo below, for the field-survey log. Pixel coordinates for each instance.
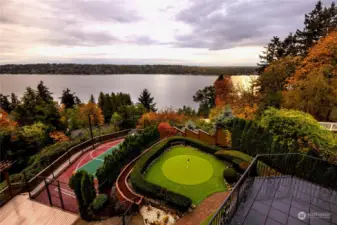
(131, 147)
(173, 199)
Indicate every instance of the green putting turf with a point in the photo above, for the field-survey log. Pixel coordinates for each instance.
(187, 169)
(95, 163)
(189, 172)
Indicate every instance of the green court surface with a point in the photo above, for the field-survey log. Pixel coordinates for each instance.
(96, 162)
(189, 172)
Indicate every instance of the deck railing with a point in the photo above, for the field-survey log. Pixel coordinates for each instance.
(329, 126)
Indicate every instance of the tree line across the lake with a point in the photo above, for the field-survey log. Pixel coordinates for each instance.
(122, 69)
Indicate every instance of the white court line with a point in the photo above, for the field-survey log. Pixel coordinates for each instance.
(66, 192)
(94, 158)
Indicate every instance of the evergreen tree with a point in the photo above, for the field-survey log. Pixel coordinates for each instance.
(101, 99)
(289, 45)
(92, 99)
(147, 101)
(206, 97)
(274, 51)
(316, 25)
(107, 108)
(69, 99)
(26, 111)
(77, 101)
(43, 92)
(14, 101)
(4, 103)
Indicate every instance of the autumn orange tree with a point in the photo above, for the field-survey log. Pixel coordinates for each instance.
(166, 115)
(94, 111)
(166, 130)
(6, 124)
(242, 101)
(58, 136)
(272, 81)
(224, 90)
(313, 86)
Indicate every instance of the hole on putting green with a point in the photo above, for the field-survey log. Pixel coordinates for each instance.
(187, 169)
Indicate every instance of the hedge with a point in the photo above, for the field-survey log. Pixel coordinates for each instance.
(230, 175)
(99, 203)
(131, 147)
(282, 131)
(241, 161)
(175, 200)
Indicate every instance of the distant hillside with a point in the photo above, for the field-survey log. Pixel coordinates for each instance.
(122, 69)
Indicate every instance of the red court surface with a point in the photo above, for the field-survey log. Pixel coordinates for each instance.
(68, 196)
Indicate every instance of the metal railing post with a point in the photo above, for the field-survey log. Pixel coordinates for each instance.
(123, 218)
(60, 194)
(48, 192)
(27, 184)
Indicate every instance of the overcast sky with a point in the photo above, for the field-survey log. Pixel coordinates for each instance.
(195, 32)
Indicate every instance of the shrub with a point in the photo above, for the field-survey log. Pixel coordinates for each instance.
(230, 175)
(131, 147)
(88, 189)
(140, 184)
(298, 131)
(83, 186)
(165, 130)
(243, 166)
(238, 159)
(236, 131)
(232, 156)
(99, 203)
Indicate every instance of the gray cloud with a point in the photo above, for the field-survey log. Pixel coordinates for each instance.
(81, 38)
(105, 11)
(65, 24)
(220, 24)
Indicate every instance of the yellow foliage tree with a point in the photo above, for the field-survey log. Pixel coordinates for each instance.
(6, 124)
(58, 136)
(166, 115)
(95, 112)
(313, 86)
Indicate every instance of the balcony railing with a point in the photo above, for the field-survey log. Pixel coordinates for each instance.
(301, 166)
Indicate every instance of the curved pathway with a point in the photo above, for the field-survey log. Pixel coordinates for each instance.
(204, 209)
(122, 186)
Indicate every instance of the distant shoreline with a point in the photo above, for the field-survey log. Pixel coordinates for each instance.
(106, 69)
(116, 74)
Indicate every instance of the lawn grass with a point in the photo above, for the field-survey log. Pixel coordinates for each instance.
(191, 187)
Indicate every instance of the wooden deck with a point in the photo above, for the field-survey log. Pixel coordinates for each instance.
(21, 211)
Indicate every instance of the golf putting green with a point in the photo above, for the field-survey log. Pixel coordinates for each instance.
(196, 179)
(187, 169)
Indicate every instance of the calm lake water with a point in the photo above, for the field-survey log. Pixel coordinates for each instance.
(167, 90)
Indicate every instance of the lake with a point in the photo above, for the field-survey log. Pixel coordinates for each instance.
(167, 90)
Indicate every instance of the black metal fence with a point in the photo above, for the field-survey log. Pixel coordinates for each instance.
(37, 184)
(301, 166)
(130, 211)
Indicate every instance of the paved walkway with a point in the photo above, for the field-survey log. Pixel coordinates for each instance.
(23, 211)
(204, 209)
(136, 220)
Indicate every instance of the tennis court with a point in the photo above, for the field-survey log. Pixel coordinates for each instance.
(97, 159)
(89, 161)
